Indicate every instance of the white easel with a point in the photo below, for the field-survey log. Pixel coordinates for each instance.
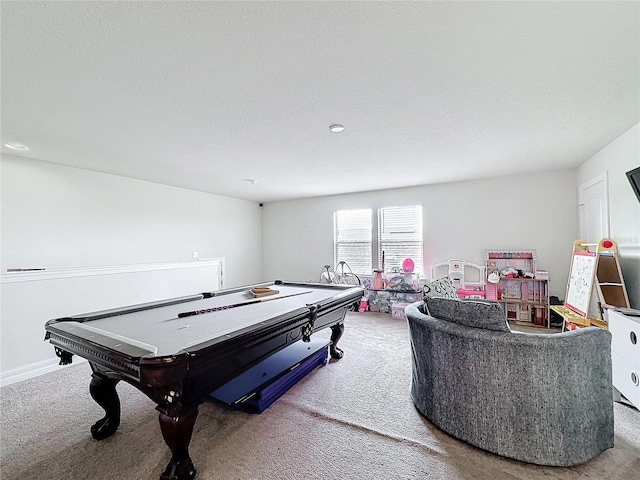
(593, 266)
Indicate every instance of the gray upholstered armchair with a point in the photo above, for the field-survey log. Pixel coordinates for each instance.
(543, 399)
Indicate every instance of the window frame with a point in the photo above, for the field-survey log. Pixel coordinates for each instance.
(376, 241)
(412, 212)
(367, 255)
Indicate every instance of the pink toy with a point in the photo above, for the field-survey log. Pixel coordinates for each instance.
(378, 283)
(408, 265)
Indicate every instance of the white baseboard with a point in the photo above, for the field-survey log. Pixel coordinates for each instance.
(33, 370)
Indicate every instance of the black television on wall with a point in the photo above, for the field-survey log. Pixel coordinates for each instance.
(634, 180)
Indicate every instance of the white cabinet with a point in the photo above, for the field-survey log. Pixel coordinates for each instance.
(625, 355)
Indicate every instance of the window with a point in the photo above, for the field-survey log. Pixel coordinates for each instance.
(352, 239)
(400, 236)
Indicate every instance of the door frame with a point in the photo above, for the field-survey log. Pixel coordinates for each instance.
(604, 179)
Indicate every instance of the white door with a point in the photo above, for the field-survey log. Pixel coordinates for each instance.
(594, 223)
(593, 206)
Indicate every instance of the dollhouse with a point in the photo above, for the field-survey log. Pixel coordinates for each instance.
(514, 280)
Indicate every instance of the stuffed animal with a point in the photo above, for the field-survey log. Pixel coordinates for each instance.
(509, 272)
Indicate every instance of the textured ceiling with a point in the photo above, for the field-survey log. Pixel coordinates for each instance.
(204, 95)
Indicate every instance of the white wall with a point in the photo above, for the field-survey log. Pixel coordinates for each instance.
(617, 158)
(461, 220)
(60, 217)
(57, 217)
(29, 299)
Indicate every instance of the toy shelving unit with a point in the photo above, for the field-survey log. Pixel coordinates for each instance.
(468, 278)
(594, 266)
(514, 281)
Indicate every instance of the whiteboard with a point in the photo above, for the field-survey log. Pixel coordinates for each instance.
(580, 282)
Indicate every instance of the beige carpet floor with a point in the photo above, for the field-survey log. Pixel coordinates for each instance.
(351, 419)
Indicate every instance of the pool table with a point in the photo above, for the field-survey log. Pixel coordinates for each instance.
(179, 350)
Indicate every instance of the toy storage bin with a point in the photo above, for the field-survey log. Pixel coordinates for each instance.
(397, 311)
(401, 281)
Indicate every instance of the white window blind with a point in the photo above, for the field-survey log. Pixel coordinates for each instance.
(400, 236)
(352, 239)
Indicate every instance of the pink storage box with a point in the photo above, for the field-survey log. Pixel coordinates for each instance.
(470, 293)
(397, 311)
(492, 291)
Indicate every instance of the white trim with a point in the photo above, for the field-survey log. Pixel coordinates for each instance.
(34, 370)
(602, 177)
(31, 276)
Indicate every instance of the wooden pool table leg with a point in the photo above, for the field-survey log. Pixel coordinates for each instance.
(103, 391)
(177, 432)
(336, 332)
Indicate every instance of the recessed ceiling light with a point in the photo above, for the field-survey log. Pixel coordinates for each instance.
(336, 128)
(17, 146)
